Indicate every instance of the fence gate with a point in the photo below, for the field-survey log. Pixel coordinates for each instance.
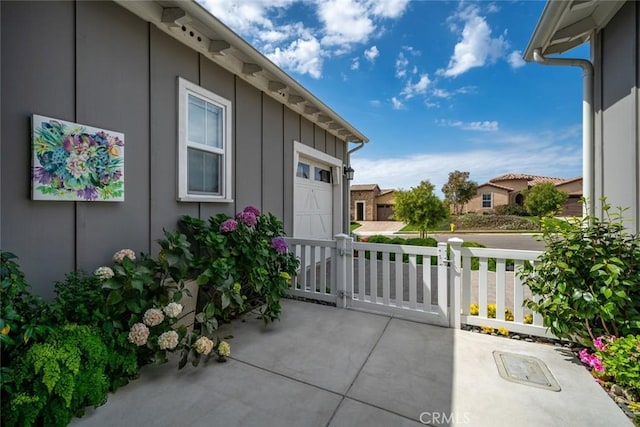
(400, 280)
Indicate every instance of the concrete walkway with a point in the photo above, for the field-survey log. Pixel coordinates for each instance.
(323, 366)
(385, 228)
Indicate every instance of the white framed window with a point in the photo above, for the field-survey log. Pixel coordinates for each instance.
(487, 200)
(204, 145)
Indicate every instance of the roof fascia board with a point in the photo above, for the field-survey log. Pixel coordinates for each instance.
(153, 12)
(546, 26)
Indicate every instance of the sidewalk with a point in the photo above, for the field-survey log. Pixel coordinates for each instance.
(386, 228)
(323, 366)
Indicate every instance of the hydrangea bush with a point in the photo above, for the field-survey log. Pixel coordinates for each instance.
(241, 263)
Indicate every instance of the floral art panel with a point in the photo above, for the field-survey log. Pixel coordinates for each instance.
(74, 162)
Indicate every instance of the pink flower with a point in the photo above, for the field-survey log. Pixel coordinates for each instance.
(119, 256)
(247, 218)
(153, 317)
(599, 344)
(591, 359)
(279, 244)
(255, 211)
(138, 334)
(229, 225)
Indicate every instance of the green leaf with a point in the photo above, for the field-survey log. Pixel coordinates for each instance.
(210, 310)
(607, 293)
(113, 298)
(225, 301)
(111, 284)
(137, 285)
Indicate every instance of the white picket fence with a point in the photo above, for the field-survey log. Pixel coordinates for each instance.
(427, 284)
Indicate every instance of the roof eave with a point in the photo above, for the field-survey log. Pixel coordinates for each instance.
(545, 28)
(283, 88)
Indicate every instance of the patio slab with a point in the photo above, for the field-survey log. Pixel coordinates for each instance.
(323, 366)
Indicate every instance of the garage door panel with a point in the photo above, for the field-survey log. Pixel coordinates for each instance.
(313, 205)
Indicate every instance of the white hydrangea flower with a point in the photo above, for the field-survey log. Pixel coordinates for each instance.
(138, 334)
(203, 345)
(103, 273)
(168, 340)
(224, 349)
(173, 309)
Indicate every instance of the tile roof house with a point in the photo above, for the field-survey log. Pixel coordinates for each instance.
(508, 190)
(371, 203)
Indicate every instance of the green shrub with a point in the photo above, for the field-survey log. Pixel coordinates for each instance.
(511, 210)
(621, 360)
(587, 278)
(80, 299)
(494, 222)
(56, 379)
(241, 264)
(21, 317)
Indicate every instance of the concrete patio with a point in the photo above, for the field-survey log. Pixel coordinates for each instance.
(323, 366)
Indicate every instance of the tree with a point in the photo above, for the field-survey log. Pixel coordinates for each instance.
(544, 199)
(459, 190)
(419, 207)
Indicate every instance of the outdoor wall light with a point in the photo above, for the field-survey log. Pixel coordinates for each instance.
(348, 172)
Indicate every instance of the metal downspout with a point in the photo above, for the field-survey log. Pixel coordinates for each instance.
(346, 217)
(587, 123)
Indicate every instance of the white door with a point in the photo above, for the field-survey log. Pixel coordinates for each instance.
(313, 201)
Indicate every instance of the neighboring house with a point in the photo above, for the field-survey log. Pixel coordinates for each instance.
(150, 70)
(370, 203)
(509, 190)
(611, 98)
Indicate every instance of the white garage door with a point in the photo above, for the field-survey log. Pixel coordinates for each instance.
(313, 200)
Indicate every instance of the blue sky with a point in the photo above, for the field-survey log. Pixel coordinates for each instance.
(435, 85)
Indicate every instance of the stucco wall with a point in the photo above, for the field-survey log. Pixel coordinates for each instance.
(95, 63)
(573, 187)
(616, 58)
(499, 197)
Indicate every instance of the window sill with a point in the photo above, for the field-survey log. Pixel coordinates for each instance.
(204, 199)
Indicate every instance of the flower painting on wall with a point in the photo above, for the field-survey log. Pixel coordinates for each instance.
(75, 162)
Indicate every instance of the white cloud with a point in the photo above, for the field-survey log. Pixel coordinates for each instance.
(355, 64)
(401, 65)
(371, 54)
(388, 8)
(302, 56)
(375, 103)
(541, 154)
(515, 59)
(485, 126)
(345, 21)
(419, 87)
(396, 103)
(342, 25)
(476, 46)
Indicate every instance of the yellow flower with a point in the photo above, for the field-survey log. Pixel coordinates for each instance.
(285, 275)
(224, 349)
(5, 330)
(474, 309)
(486, 329)
(528, 319)
(114, 151)
(503, 331)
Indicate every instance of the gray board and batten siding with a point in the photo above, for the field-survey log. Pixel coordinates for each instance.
(95, 63)
(616, 56)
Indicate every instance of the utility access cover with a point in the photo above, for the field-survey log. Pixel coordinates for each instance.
(527, 370)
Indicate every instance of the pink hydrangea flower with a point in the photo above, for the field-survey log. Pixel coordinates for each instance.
(247, 218)
(119, 256)
(153, 317)
(279, 244)
(252, 209)
(591, 360)
(599, 344)
(229, 226)
(139, 334)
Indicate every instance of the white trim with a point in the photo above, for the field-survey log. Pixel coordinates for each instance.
(185, 88)
(300, 149)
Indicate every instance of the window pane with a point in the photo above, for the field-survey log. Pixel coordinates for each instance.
(204, 175)
(322, 175)
(303, 170)
(196, 120)
(214, 126)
